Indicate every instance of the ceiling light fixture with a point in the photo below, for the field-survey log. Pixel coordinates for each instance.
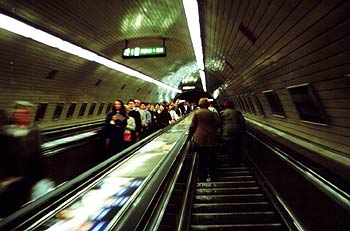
(20, 28)
(192, 15)
(219, 90)
(188, 87)
(216, 93)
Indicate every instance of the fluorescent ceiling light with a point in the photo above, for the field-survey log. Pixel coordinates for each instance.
(202, 76)
(216, 93)
(188, 87)
(220, 89)
(192, 15)
(20, 28)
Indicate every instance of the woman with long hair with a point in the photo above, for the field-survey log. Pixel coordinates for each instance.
(115, 126)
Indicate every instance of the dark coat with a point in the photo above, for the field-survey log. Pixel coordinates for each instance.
(115, 132)
(164, 118)
(185, 110)
(21, 155)
(21, 158)
(232, 124)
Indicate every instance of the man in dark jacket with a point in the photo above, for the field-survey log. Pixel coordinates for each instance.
(136, 115)
(232, 129)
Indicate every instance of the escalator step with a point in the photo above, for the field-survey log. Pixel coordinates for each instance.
(258, 197)
(226, 164)
(221, 191)
(234, 201)
(223, 158)
(227, 169)
(234, 218)
(234, 173)
(229, 184)
(232, 178)
(239, 227)
(231, 207)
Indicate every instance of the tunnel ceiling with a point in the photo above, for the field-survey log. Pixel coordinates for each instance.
(104, 26)
(247, 44)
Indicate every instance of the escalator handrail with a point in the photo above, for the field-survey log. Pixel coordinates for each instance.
(283, 209)
(72, 127)
(61, 144)
(155, 201)
(60, 132)
(159, 211)
(185, 210)
(135, 216)
(335, 193)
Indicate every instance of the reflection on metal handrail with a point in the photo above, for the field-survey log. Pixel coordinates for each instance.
(283, 209)
(334, 192)
(186, 203)
(137, 214)
(159, 212)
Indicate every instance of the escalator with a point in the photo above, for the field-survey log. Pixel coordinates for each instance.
(270, 190)
(234, 201)
(118, 194)
(158, 178)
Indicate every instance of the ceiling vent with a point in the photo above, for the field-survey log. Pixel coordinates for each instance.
(51, 74)
(98, 82)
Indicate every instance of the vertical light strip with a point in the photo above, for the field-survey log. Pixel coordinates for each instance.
(202, 76)
(220, 89)
(216, 93)
(192, 16)
(20, 28)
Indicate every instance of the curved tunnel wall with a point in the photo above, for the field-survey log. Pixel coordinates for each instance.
(296, 42)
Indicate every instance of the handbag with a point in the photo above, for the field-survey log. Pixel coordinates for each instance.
(127, 135)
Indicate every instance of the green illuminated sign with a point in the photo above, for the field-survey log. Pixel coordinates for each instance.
(144, 52)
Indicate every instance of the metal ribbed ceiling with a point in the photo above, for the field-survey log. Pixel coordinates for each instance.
(248, 44)
(104, 26)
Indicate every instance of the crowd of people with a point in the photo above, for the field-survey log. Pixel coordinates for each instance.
(22, 168)
(23, 174)
(135, 120)
(212, 128)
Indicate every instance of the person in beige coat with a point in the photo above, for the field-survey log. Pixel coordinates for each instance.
(204, 128)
